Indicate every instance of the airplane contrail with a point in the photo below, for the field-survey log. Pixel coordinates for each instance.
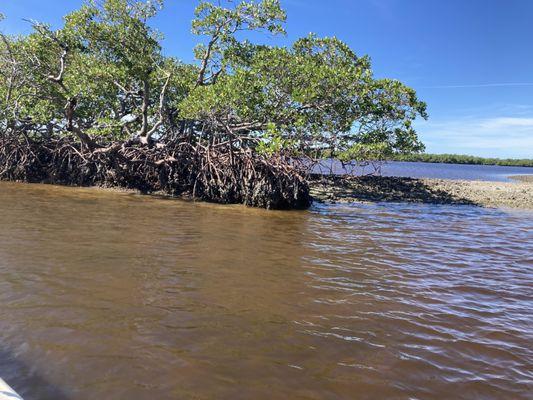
(482, 85)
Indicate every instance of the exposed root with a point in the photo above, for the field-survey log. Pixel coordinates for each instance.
(216, 174)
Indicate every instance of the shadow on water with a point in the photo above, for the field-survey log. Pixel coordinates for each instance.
(21, 377)
(380, 188)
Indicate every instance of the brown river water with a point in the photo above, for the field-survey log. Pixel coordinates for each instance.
(118, 296)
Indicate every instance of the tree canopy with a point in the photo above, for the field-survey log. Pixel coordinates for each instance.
(102, 77)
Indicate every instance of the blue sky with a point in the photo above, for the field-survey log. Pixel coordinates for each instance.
(470, 60)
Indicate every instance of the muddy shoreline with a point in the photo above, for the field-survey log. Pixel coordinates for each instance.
(350, 189)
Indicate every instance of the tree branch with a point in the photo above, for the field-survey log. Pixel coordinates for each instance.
(59, 77)
(207, 57)
(162, 96)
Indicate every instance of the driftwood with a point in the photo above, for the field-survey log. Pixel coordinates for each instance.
(216, 174)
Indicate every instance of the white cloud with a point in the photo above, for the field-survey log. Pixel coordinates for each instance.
(507, 123)
(489, 137)
(481, 85)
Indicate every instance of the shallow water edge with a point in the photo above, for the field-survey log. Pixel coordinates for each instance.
(348, 188)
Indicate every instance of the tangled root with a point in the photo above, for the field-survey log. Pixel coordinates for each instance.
(216, 174)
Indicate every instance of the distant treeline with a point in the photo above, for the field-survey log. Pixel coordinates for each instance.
(463, 159)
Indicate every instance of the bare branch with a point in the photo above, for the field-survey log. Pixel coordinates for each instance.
(59, 77)
(161, 107)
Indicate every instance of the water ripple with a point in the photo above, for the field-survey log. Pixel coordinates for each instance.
(118, 296)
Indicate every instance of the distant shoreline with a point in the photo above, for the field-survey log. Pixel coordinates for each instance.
(332, 189)
(351, 189)
(464, 159)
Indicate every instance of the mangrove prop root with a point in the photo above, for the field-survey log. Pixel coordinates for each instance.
(221, 175)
